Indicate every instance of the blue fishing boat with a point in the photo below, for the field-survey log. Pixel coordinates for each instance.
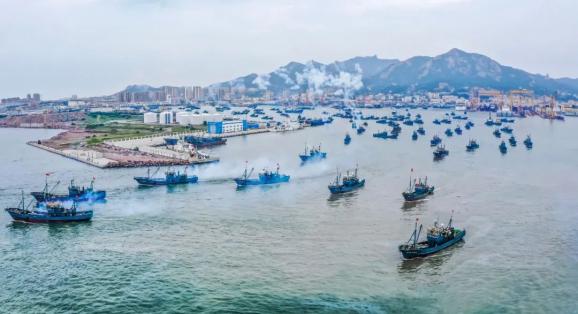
(385, 135)
(435, 141)
(347, 139)
(467, 126)
(265, 177)
(314, 153)
(512, 141)
(353, 125)
(204, 141)
(48, 213)
(346, 183)
(171, 141)
(417, 190)
(503, 148)
(75, 193)
(414, 136)
(171, 178)
(497, 133)
(421, 131)
(489, 121)
(418, 120)
(528, 142)
(449, 132)
(472, 146)
(440, 152)
(446, 121)
(458, 130)
(408, 122)
(436, 121)
(507, 129)
(439, 237)
(360, 130)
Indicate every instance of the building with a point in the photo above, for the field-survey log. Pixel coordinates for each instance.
(150, 118)
(189, 118)
(197, 93)
(221, 127)
(166, 117)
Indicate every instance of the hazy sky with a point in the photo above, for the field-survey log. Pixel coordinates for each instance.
(97, 47)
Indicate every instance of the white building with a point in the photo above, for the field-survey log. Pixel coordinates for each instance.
(189, 118)
(166, 117)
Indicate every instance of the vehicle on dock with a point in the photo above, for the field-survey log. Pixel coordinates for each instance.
(313, 153)
(472, 146)
(421, 131)
(417, 190)
(439, 237)
(440, 152)
(75, 193)
(347, 183)
(347, 139)
(435, 141)
(528, 142)
(503, 148)
(265, 177)
(512, 141)
(51, 212)
(171, 178)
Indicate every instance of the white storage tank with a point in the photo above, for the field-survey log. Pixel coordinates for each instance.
(150, 118)
(183, 117)
(166, 117)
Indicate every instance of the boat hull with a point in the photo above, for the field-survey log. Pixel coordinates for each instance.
(48, 197)
(156, 182)
(305, 158)
(410, 197)
(408, 252)
(251, 182)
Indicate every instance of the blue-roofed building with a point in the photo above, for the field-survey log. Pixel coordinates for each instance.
(220, 127)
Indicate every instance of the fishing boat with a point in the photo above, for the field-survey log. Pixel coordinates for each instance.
(48, 213)
(449, 132)
(346, 183)
(497, 133)
(439, 237)
(75, 193)
(408, 122)
(472, 146)
(507, 129)
(314, 153)
(418, 120)
(421, 131)
(436, 121)
(440, 152)
(467, 126)
(347, 139)
(385, 135)
(171, 178)
(528, 142)
(490, 121)
(435, 141)
(414, 136)
(503, 148)
(203, 141)
(458, 130)
(446, 121)
(265, 177)
(417, 190)
(512, 141)
(360, 130)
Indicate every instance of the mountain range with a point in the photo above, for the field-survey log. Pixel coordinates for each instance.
(453, 71)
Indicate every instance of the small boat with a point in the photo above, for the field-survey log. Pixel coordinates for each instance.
(365, 124)
(439, 237)
(497, 133)
(360, 130)
(503, 148)
(417, 190)
(385, 135)
(75, 193)
(203, 141)
(512, 141)
(314, 153)
(490, 121)
(346, 184)
(440, 152)
(528, 142)
(507, 129)
(353, 125)
(418, 120)
(435, 141)
(171, 178)
(472, 146)
(265, 177)
(48, 213)
(449, 132)
(436, 121)
(421, 131)
(408, 122)
(446, 121)
(467, 126)
(414, 136)
(347, 139)
(458, 130)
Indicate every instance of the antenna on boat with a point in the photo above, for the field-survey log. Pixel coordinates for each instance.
(451, 219)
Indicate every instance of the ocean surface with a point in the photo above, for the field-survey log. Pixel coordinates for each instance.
(292, 248)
